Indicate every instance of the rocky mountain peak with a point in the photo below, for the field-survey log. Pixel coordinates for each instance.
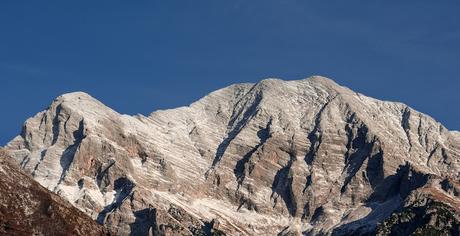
(306, 156)
(74, 96)
(82, 103)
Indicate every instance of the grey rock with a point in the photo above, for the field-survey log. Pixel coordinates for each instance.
(288, 157)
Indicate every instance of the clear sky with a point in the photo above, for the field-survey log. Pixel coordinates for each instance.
(139, 56)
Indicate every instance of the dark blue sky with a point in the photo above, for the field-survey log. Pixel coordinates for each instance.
(139, 56)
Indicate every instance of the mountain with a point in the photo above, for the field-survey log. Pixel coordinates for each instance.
(26, 208)
(276, 157)
(422, 215)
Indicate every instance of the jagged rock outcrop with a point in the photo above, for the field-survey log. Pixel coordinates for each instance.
(288, 157)
(27, 208)
(423, 214)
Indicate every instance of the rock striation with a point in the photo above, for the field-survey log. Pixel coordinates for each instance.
(276, 157)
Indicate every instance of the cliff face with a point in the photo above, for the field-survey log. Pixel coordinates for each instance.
(26, 208)
(287, 157)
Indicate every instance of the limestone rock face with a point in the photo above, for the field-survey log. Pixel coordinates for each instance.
(288, 157)
(26, 208)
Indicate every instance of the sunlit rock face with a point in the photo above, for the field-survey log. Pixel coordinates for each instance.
(288, 157)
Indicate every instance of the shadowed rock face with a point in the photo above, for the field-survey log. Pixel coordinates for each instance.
(422, 214)
(26, 208)
(286, 157)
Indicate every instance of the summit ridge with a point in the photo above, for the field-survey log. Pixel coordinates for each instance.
(289, 157)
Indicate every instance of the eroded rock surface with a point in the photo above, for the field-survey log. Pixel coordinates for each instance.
(27, 208)
(287, 157)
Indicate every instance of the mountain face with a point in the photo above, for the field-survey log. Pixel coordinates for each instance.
(422, 215)
(26, 208)
(277, 157)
